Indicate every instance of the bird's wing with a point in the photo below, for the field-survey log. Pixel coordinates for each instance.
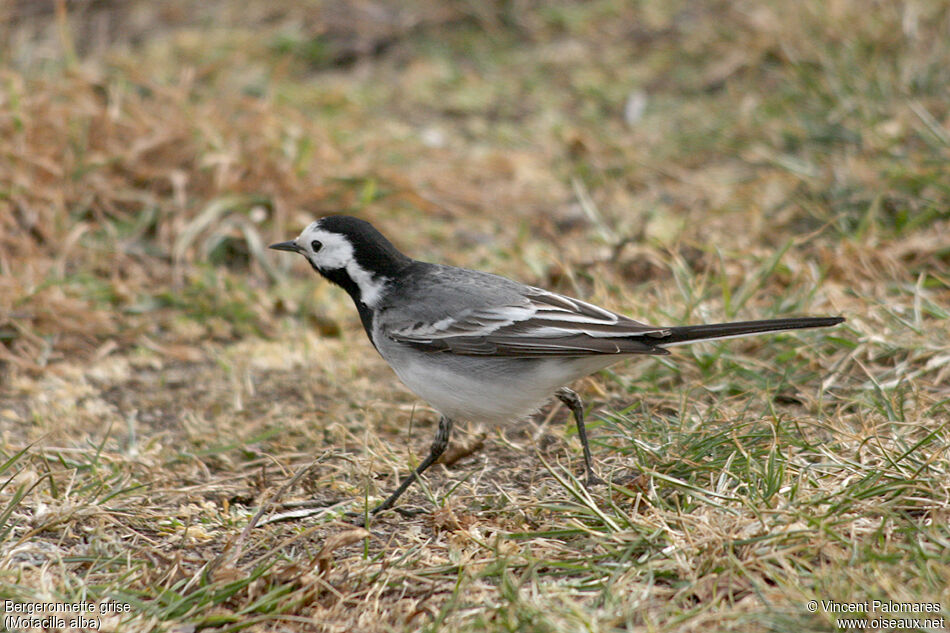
(540, 323)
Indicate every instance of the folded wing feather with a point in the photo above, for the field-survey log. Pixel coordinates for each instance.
(543, 324)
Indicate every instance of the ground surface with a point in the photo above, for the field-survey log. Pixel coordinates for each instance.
(165, 379)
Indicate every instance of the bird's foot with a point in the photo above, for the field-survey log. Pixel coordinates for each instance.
(593, 480)
(634, 479)
(362, 518)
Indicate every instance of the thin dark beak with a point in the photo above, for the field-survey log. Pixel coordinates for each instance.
(286, 246)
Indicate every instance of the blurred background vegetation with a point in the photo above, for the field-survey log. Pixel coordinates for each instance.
(151, 148)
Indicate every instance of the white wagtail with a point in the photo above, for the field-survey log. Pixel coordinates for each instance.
(481, 347)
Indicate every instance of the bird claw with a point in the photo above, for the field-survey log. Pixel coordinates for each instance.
(593, 480)
(361, 518)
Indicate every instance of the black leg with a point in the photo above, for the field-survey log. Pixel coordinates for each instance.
(435, 451)
(573, 402)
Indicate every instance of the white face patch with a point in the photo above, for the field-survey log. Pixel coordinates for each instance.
(335, 252)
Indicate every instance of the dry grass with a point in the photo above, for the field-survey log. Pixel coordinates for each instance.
(164, 379)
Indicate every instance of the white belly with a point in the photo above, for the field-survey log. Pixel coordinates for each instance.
(492, 390)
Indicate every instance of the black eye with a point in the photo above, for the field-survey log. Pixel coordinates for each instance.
(316, 245)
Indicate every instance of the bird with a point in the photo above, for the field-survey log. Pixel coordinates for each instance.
(481, 347)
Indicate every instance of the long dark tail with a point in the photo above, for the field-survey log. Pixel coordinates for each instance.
(691, 333)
